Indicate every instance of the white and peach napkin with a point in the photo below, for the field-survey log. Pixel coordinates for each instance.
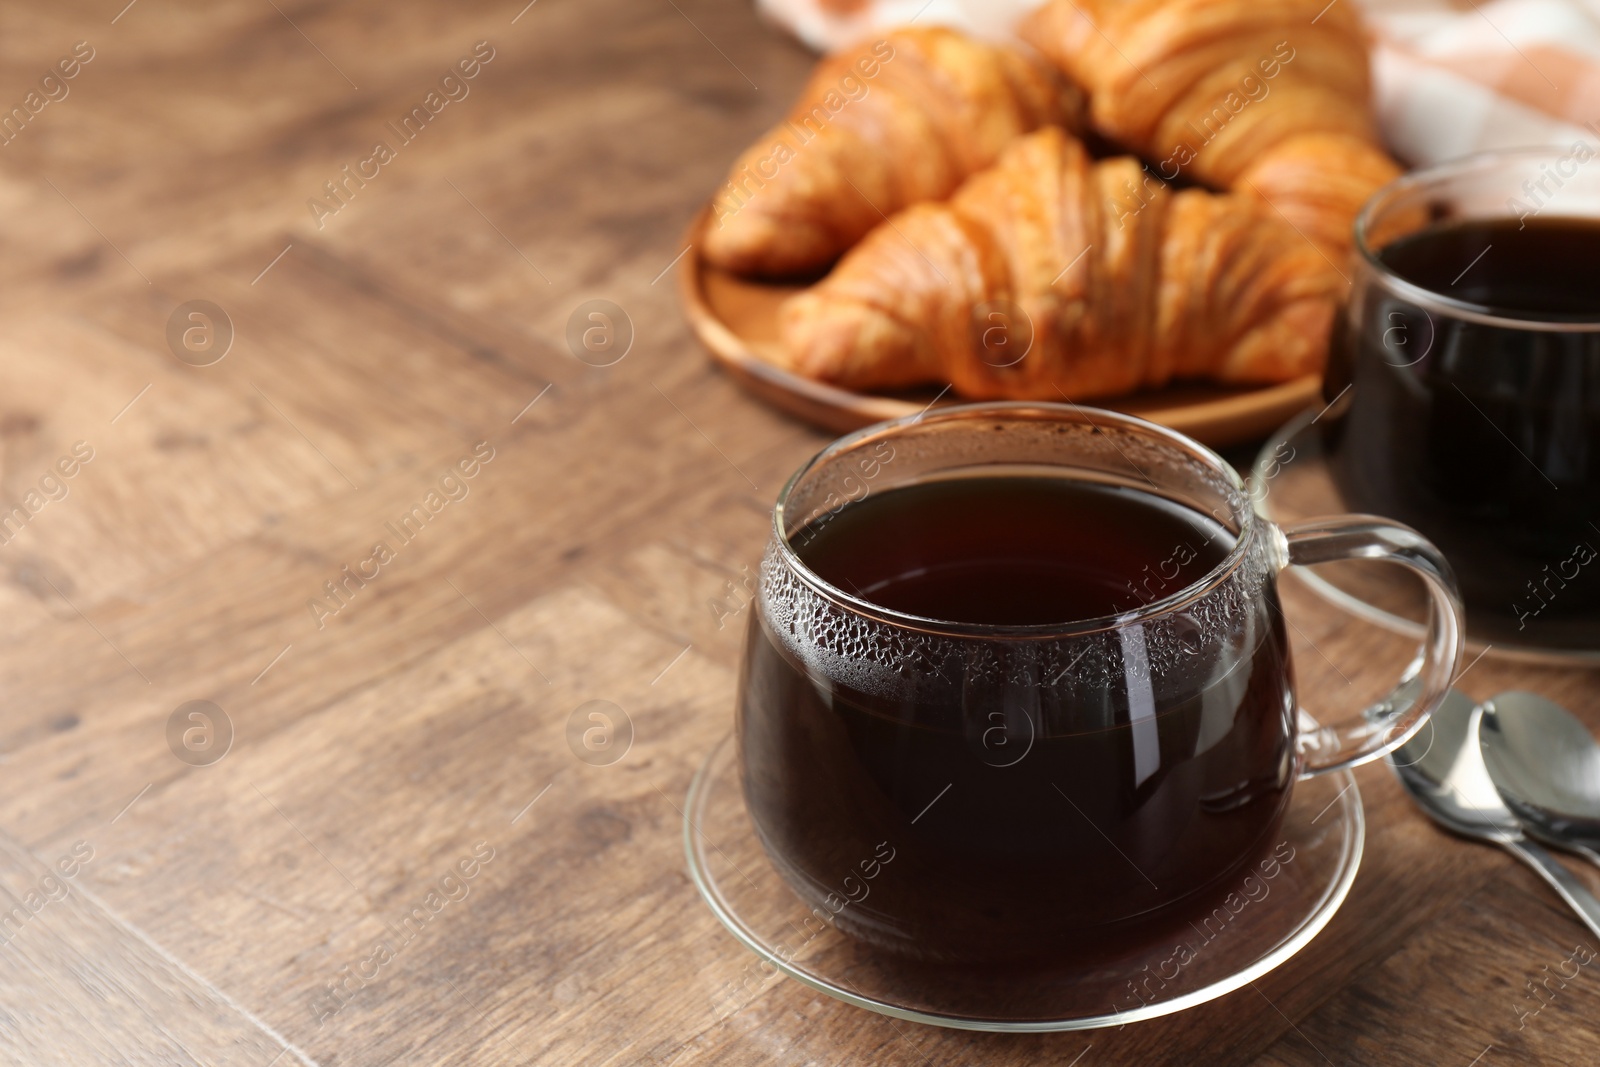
(1450, 77)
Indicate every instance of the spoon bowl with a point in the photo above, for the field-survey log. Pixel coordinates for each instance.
(1443, 771)
(1545, 765)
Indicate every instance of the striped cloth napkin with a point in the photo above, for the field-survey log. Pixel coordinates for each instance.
(1450, 77)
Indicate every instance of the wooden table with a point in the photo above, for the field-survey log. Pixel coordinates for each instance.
(411, 727)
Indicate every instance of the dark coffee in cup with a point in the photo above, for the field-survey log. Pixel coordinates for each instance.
(1468, 378)
(1119, 805)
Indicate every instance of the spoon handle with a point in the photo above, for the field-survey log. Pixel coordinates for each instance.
(1561, 880)
(1589, 853)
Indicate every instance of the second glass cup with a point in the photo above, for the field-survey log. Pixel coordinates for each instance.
(1465, 383)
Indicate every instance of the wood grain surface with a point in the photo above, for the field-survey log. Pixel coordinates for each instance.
(414, 728)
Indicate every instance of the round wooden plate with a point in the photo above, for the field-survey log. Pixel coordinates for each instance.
(737, 319)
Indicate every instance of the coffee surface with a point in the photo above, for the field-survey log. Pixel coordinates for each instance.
(1544, 266)
(1014, 551)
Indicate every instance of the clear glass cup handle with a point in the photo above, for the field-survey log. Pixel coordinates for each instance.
(1389, 723)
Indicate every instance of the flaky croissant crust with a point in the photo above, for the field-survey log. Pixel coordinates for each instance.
(1265, 97)
(1108, 282)
(892, 122)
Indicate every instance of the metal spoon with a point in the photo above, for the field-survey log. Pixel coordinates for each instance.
(1546, 766)
(1443, 770)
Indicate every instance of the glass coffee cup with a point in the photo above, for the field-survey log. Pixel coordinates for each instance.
(1022, 668)
(1465, 383)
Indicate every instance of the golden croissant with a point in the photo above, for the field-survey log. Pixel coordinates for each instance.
(1030, 283)
(1270, 98)
(879, 127)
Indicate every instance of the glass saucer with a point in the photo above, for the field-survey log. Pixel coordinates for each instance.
(1291, 482)
(1255, 922)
